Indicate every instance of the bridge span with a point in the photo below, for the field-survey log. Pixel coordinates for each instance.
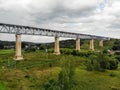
(18, 30)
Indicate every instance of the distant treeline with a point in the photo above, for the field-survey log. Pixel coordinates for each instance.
(63, 44)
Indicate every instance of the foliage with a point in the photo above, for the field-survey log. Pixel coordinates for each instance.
(42, 47)
(1, 46)
(65, 77)
(113, 64)
(66, 51)
(116, 45)
(82, 54)
(76, 53)
(65, 80)
(51, 85)
(101, 62)
(118, 57)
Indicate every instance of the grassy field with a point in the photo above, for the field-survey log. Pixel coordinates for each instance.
(109, 80)
(38, 67)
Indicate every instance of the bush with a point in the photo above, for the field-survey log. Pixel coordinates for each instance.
(65, 80)
(113, 64)
(82, 54)
(42, 47)
(89, 65)
(105, 51)
(118, 58)
(103, 59)
(101, 62)
(51, 85)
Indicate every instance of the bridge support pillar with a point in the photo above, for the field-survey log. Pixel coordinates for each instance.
(56, 47)
(92, 45)
(101, 43)
(77, 44)
(18, 55)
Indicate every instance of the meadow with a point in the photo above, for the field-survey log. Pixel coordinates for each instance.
(40, 71)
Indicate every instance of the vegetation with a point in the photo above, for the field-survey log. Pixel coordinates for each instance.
(72, 70)
(101, 62)
(116, 45)
(2, 87)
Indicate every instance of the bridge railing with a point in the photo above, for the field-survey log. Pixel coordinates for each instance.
(27, 30)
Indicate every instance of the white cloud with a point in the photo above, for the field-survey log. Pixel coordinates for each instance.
(99, 17)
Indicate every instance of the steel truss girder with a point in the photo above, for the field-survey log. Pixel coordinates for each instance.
(27, 30)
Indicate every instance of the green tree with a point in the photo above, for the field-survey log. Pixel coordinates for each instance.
(65, 80)
(101, 62)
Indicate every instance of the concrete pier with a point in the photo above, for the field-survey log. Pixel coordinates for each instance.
(77, 44)
(101, 43)
(56, 47)
(92, 45)
(18, 54)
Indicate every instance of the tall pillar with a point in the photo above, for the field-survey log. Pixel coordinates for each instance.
(101, 43)
(18, 55)
(77, 44)
(56, 47)
(92, 45)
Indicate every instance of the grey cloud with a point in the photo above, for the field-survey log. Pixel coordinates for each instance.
(68, 15)
(115, 26)
(59, 12)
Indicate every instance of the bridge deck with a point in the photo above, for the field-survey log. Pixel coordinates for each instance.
(28, 30)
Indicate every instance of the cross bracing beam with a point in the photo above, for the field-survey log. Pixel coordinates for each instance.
(28, 30)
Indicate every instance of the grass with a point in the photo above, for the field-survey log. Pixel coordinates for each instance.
(2, 87)
(2, 52)
(39, 67)
(97, 80)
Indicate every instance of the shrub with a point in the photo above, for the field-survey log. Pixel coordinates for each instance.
(118, 58)
(113, 64)
(101, 62)
(105, 51)
(74, 52)
(89, 65)
(65, 80)
(50, 51)
(51, 85)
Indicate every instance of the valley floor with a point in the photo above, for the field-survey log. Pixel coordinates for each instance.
(39, 67)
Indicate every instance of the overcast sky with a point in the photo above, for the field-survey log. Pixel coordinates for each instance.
(98, 17)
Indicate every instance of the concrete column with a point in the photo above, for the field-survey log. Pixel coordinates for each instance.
(18, 55)
(101, 43)
(56, 47)
(92, 45)
(77, 44)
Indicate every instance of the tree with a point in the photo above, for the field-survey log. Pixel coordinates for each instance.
(1, 46)
(101, 62)
(116, 45)
(42, 47)
(65, 80)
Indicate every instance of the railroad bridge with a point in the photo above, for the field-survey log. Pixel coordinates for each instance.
(18, 30)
